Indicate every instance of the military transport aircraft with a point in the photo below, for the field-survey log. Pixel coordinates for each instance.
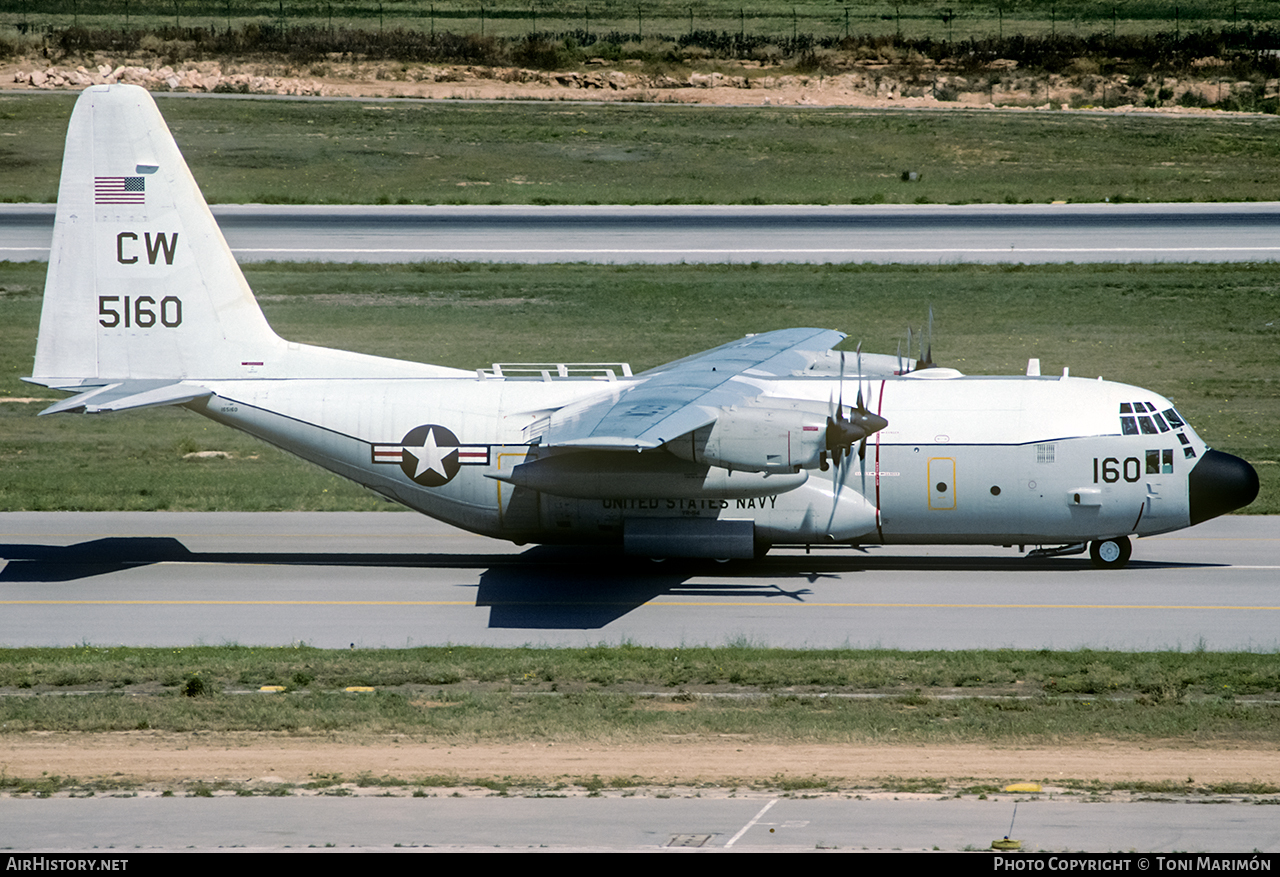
(718, 455)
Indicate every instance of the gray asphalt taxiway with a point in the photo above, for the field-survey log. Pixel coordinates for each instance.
(396, 579)
(673, 822)
(919, 234)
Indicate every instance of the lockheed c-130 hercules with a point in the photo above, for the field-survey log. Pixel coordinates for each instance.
(719, 455)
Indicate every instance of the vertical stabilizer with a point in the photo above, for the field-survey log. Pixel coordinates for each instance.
(142, 286)
(141, 283)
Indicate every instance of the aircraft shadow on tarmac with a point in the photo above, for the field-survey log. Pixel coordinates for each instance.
(552, 587)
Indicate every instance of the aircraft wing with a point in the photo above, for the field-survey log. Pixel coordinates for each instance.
(671, 400)
(122, 395)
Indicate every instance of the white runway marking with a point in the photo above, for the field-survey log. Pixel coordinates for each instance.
(748, 826)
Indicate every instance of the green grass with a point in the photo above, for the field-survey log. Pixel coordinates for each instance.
(1203, 335)
(909, 677)
(624, 694)
(616, 718)
(416, 152)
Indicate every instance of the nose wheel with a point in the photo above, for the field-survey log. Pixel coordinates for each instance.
(1110, 553)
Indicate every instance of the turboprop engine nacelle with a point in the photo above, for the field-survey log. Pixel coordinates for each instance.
(650, 475)
(758, 440)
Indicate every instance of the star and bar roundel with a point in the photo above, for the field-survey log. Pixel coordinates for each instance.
(431, 455)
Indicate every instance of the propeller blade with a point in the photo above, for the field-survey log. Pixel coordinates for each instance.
(861, 407)
(862, 460)
(926, 358)
(840, 409)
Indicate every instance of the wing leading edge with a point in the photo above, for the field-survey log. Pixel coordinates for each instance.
(679, 397)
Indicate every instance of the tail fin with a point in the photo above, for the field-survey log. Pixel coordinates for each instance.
(141, 283)
(142, 288)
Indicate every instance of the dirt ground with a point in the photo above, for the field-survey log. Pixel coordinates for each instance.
(244, 760)
(750, 85)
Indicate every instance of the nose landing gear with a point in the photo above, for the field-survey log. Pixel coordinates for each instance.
(1110, 553)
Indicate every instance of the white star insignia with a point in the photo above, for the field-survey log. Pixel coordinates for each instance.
(429, 456)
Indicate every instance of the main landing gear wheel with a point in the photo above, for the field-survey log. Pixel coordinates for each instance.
(1110, 553)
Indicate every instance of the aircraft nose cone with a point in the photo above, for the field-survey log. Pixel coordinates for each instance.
(1220, 483)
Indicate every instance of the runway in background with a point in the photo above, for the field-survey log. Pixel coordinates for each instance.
(921, 234)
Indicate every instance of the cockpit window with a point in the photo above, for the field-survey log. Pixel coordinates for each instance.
(1147, 421)
(1141, 417)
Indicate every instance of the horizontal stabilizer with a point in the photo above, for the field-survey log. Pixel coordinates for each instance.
(130, 394)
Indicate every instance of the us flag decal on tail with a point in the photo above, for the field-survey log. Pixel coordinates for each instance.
(119, 190)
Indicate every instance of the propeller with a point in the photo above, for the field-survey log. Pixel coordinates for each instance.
(843, 431)
(925, 359)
